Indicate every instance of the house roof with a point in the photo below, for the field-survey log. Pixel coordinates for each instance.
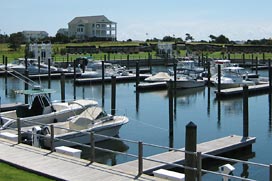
(90, 19)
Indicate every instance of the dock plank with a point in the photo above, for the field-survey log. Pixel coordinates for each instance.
(214, 147)
(60, 166)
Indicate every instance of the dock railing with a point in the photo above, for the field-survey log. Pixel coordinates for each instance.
(198, 156)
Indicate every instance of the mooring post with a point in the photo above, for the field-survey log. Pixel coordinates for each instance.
(26, 85)
(52, 137)
(218, 81)
(39, 65)
(245, 111)
(113, 95)
(6, 76)
(263, 57)
(137, 74)
(252, 59)
(270, 75)
(140, 158)
(62, 87)
(149, 62)
(103, 72)
(74, 79)
(190, 147)
(19, 130)
(256, 65)
(270, 172)
(49, 73)
(128, 61)
(26, 64)
(175, 75)
(170, 97)
(199, 166)
(92, 156)
(67, 59)
(209, 72)
(3, 59)
(243, 57)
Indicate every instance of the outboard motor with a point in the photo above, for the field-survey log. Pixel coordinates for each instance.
(36, 131)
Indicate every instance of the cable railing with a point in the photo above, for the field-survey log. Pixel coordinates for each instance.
(198, 156)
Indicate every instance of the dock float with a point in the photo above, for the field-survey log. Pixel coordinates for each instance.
(238, 91)
(127, 78)
(52, 75)
(214, 147)
(58, 166)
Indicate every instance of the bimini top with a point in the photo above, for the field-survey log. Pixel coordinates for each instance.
(35, 91)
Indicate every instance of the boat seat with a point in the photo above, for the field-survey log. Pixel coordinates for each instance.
(22, 111)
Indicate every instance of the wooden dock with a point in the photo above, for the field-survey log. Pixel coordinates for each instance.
(61, 167)
(128, 78)
(238, 91)
(214, 147)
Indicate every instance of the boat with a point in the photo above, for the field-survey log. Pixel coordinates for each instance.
(42, 110)
(188, 65)
(93, 69)
(232, 77)
(77, 129)
(186, 82)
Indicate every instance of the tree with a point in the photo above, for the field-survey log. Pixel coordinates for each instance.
(213, 38)
(15, 40)
(220, 39)
(188, 37)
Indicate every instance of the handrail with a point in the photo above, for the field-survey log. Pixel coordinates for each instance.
(155, 160)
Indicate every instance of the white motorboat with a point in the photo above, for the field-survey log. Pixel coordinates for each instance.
(94, 70)
(185, 82)
(232, 77)
(42, 110)
(77, 129)
(188, 65)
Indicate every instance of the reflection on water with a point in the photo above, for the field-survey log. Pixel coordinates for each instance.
(105, 157)
(231, 106)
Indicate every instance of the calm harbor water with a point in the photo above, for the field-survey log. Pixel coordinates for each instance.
(148, 114)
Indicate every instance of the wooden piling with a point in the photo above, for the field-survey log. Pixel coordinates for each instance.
(190, 146)
(209, 72)
(103, 72)
(218, 80)
(171, 117)
(243, 57)
(49, 73)
(92, 144)
(19, 130)
(137, 74)
(26, 85)
(245, 111)
(149, 62)
(270, 75)
(39, 65)
(6, 76)
(74, 79)
(52, 137)
(140, 158)
(62, 87)
(3, 59)
(113, 95)
(128, 61)
(256, 65)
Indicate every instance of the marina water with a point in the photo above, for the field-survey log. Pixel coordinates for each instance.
(148, 115)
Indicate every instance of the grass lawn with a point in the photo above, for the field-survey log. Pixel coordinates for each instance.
(8, 172)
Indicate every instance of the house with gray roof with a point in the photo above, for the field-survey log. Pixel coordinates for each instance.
(92, 27)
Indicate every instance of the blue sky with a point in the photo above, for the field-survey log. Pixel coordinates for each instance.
(142, 19)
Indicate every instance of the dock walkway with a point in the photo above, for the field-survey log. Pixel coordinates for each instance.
(61, 167)
(214, 147)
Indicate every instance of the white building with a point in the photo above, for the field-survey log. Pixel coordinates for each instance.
(88, 27)
(63, 31)
(34, 35)
(44, 51)
(165, 48)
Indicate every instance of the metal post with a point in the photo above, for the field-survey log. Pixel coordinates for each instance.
(199, 166)
(140, 158)
(19, 130)
(113, 95)
(245, 111)
(52, 137)
(92, 158)
(190, 146)
(62, 87)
